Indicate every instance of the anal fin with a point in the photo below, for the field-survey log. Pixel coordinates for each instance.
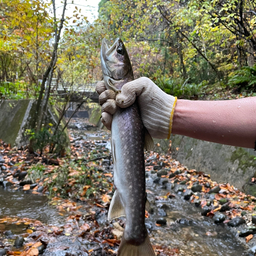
(116, 208)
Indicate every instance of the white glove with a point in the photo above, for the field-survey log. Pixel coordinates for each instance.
(156, 107)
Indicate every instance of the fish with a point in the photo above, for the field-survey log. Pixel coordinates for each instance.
(129, 137)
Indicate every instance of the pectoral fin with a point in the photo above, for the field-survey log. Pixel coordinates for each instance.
(116, 208)
(149, 143)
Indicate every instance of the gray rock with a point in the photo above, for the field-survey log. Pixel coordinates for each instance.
(22, 175)
(19, 241)
(215, 190)
(205, 210)
(235, 222)
(156, 180)
(196, 188)
(254, 219)
(157, 167)
(219, 217)
(188, 193)
(161, 172)
(3, 252)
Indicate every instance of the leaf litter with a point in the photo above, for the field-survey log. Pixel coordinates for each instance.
(81, 187)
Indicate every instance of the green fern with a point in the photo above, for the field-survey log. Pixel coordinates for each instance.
(245, 78)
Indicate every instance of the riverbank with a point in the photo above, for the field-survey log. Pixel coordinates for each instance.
(189, 213)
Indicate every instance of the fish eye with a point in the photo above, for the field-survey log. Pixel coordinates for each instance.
(120, 49)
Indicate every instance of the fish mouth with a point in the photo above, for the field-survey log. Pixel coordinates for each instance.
(109, 49)
(115, 61)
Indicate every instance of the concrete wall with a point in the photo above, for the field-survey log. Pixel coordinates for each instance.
(15, 117)
(225, 164)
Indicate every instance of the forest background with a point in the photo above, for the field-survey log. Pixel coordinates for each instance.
(190, 48)
(196, 49)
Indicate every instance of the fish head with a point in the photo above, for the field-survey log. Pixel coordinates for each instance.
(115, 61)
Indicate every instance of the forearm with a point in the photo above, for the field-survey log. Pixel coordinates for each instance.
(231, 122)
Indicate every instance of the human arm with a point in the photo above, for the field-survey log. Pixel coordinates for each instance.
(231, 122)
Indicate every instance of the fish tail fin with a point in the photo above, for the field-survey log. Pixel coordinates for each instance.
(126, 249)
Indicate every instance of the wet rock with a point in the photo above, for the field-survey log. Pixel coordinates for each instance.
(247, 232)
(3, 168)
(235, 222)
(25, 182)
(22, 175)
(219, 217)
(215, 190)
(205, 210)
(254, 219)
(179, 188)
(41, 248)
(157, 167)
(183, 221)
(162, 173)
(164, 181)
(156, 180)
(8, 233)
(40, 189)
(196, 188)
(188, 193)
(197, 202)
(161, 221)
(7, 183)
(3, 252)
(146, 175)
(172, 175)
(162, 212)
(183, 182)
(33, 185)
(225, 207)
(19, 241)
(211, 196)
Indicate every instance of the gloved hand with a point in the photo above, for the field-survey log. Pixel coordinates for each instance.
(156, 107)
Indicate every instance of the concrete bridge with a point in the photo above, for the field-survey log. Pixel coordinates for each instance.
(76, 93)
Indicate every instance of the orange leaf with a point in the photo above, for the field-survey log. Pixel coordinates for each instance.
(108, 174)
(105, 198)
(248, 238)
(26, 187)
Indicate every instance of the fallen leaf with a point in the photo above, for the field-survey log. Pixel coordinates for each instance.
(248, 238)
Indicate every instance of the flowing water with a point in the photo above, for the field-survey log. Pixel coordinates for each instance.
(187, 229)
(28, 205)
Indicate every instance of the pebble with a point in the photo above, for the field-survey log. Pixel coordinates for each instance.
(188, 193)
(22, 175)
(156, 180)
(3, 252)
(161, 221)
(205, 210)
(18, 241)
(197, 188)
(219, 217)
(215, 190)
(235, 222)
(162, 172)
(254, 219)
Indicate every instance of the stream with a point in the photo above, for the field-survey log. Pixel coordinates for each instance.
(181, 224)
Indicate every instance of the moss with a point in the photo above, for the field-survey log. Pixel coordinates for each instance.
(95, 115)
(244, 158)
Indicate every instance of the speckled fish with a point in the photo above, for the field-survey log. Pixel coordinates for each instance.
(128, 139)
